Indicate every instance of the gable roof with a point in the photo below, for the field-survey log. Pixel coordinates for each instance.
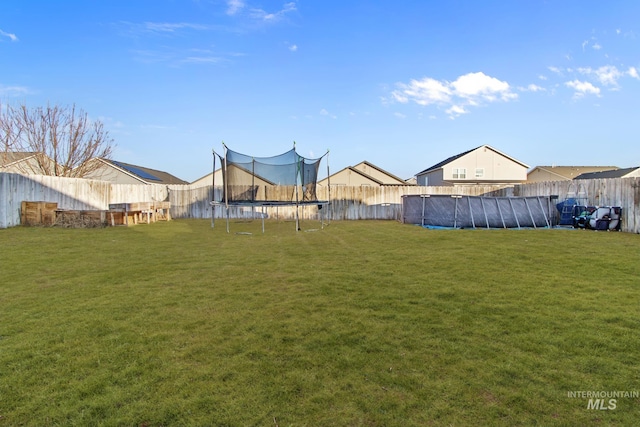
(388, 180)
(8, 158)
(392, 177)
(354, 170)
(570, 172)
(457, 156)
(616, 173)
(148, 175)
(445, 161)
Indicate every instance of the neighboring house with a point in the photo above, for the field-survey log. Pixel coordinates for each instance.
(562, 173)
(26, 163)
(483, 165)
(617, 173)
(363, 174)
(411, 181)
(124, 173)
(208, 179)
(245, 176)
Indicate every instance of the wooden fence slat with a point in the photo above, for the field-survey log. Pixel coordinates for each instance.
(347, 203)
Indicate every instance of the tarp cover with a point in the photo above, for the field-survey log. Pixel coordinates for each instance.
(476, 212)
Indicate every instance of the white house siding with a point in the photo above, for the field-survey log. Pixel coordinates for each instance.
(496, 167)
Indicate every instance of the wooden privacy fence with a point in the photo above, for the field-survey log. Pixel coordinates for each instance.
(346, 203)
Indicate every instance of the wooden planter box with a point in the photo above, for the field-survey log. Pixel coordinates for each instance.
(38, 213)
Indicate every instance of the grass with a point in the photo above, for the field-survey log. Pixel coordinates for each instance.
(364, 323)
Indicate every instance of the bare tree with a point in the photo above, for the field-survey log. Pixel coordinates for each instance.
(61, 141)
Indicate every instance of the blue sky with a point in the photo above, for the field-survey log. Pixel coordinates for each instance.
(402, 84)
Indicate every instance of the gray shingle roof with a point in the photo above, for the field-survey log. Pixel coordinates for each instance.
(617, 173)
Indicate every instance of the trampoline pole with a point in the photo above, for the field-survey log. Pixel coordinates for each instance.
(253, 193)
(225, 181)
(329, 190)
(296, 183)
(213, 191)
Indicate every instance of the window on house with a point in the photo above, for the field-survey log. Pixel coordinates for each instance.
(459, 173)
(480, 173)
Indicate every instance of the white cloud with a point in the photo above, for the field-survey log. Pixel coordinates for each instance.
(234, 6)
(400, 115)
(582, 88)
(633, 72)
(423, 92)
(11, 36)
(472, 89)
(10, 91)
(455, 111)
(324, 112)
(478, 85)
(555, 70)
(293, 48)
(261, 15)
(202, 59)
(607, 75)
(596, 46)
(167, 27)
(532, 88)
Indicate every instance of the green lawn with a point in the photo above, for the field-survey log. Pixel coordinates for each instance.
(364, 323)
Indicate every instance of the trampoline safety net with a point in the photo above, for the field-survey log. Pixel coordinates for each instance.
(476, 212)
(285, 178)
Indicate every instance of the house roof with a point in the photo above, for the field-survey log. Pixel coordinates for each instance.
(570, 172)
(148, 175)
(616, 173)
(445, 161)
(457, 156)
(356, 171)
(9, 157)
(397, 180)
(379, 169)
